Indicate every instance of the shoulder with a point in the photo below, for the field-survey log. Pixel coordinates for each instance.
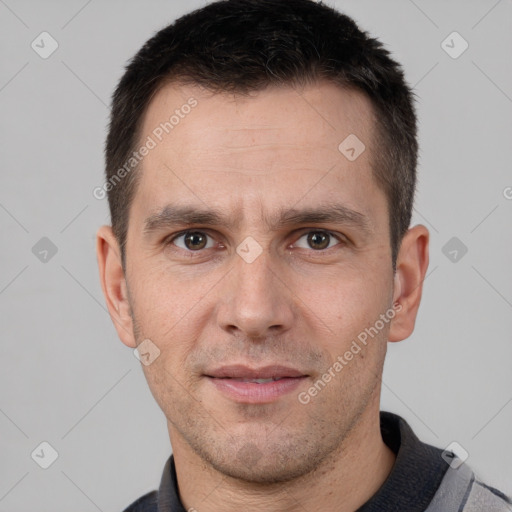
(146, 503)
(461, 490)
(481, 496)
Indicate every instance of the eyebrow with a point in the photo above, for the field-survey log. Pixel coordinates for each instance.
(173, 215)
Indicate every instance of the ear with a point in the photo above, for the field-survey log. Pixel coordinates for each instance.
(113, 283)
(411, 268)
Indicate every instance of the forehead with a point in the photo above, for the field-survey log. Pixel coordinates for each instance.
(267, 146)
(319, 114)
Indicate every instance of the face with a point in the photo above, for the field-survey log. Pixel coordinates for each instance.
(256, 251)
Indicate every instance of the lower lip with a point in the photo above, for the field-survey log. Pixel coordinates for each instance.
(254, 393)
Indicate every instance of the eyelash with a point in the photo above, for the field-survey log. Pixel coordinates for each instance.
(169, 241)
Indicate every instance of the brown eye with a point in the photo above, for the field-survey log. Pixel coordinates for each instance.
(192, 241)
(195, 240)
(318, 240)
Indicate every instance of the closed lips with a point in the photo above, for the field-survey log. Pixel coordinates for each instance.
(260, 375)
(257, 381)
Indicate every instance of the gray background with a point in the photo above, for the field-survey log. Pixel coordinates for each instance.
(65, 378)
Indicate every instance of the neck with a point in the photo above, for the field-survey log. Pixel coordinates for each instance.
(344, 481)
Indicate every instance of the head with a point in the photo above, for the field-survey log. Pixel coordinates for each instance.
(282, 139)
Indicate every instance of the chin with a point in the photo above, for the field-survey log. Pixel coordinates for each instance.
(267, 464)
(266, 473)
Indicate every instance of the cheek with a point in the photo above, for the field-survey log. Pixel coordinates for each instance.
(159, 298)
(343, 301)
(167, 386)
(165, 311)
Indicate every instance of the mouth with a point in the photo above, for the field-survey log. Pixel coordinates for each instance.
(255, 385)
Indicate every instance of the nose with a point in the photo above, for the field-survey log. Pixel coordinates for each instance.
(256, 301)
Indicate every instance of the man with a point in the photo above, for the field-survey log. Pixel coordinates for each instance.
(261, 173)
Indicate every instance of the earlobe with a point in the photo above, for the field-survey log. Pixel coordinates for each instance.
(411, 268)
(113, 284)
